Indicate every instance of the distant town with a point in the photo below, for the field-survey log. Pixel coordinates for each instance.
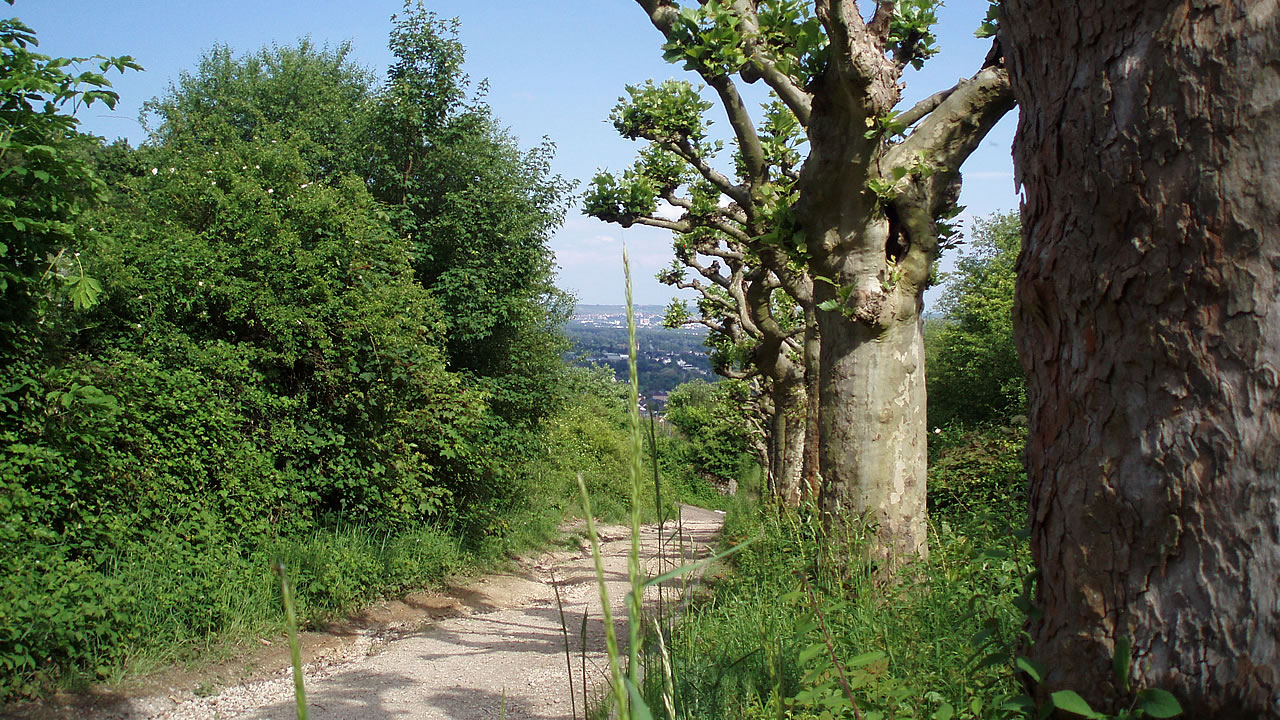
(666, 357)
(647, 316)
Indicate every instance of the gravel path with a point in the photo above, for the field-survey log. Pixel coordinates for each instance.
(504, 649)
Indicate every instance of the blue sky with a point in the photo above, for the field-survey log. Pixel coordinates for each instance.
(555, 68)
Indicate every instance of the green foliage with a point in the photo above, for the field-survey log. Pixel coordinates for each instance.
(991, 23)
(45, 182)
(973, 472)
(911, 37)
(708, 38)
(290, 348)
(314, 99)
(795, 630)
(670, 112)
(974, 373)
(479, 212)
(711, 417)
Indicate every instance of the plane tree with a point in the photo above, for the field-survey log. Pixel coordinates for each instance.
(1146, 314)
(865, 212)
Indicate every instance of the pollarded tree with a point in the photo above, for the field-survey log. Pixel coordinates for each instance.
(865, 212)
(1148, 319)
(757, 332)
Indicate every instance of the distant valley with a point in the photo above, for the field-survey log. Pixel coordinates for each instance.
(666, 357)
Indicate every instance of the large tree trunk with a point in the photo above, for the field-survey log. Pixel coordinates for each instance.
(811, 475)
(1148, 320)
(874, 429)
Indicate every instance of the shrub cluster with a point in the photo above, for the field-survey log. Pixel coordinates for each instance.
(311, 319)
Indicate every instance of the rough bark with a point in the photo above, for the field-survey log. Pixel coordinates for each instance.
(1148, 320)
(878, 252)
(811, 475)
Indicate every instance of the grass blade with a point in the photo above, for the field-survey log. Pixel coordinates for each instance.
(295, 651)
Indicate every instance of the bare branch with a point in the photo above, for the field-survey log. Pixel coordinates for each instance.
(924, 107)
(680, 226)
(685, 150)
(946, 136)
(879, 25)
(743, 128)
(731, 213)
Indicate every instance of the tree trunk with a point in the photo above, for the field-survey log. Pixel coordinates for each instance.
(874, 430)
(789, 438)
(1148, 320)
(811, 477)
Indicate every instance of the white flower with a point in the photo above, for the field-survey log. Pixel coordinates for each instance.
(269, 191)
(154, 170)
(200, 283)
(937, 431)
(173, 170)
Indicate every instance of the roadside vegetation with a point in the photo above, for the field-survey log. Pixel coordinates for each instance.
(312, 321)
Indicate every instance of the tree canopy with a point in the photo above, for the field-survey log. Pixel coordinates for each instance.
(832, 194)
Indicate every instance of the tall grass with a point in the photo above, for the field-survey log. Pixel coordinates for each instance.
(627, 689)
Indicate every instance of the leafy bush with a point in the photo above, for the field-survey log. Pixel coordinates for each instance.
(975, 472)
(282, 352)
(974, 374)
(710, 417)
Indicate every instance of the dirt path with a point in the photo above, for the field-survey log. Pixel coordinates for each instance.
(502, 646)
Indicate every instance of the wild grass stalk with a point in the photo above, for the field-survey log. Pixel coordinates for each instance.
(636, 596)
(568, 657)
(610, 634)
(295, 651)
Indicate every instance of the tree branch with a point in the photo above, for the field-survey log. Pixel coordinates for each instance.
(858, 53)
(799, 101)
(685, 150)
(743, 128)
(948, 134)
(731, 213)
(924, 107)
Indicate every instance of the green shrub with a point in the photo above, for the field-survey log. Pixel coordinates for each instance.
(973, 371)
(978, 476)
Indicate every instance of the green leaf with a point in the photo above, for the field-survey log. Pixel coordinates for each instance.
(639, 710)
(1071, 702)
(866, 658)
(946, 712)
(1120, 661)
(1032, 668)
(1159, 703)
(811, 652)
(695, 566)
(829, 304)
